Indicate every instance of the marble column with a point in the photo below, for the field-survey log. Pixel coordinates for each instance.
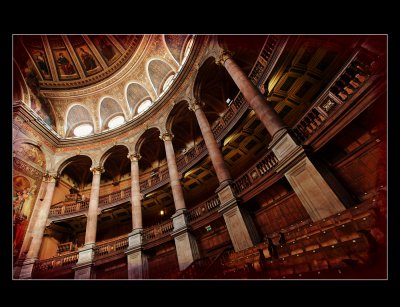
(186, 245)
(28, 235)
(84, 266)
(38, 229)
(239, 223)
(265, 112)
(137, 260)
(320, 193)
(211, 143)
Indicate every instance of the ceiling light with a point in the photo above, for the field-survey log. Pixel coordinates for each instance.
(144, 106)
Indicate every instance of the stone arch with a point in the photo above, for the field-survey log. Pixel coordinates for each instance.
(83, 115)
(135, 93)
(63, 162)
(140, 139)
(107, 109)
(158, 72)
(108, 150)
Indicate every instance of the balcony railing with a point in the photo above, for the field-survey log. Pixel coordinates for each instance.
(157, 231)
(111, 247)
(202, 210)
(350, 80)
(64, 261)
(263, 166)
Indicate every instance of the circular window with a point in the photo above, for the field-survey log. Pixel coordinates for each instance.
(187, 49)
(116, 121)
(144, 106)
(83, 130)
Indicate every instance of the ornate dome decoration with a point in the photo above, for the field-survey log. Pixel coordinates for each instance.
(79, 116)
(114, 78)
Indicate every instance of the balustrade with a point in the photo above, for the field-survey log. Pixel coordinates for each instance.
(157, 231)
(200, 210)
(346, 83)
(114, 246)
(66, 260)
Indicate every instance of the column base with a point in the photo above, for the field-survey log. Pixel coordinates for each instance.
(135, 238)
(138, 267)
(84, 271)
(318, 190)
(240, 225)
(185, 243)
(86, 254)
(27, 268)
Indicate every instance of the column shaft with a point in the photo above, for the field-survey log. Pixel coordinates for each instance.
(135, 194)
(253, 96)
(176, 187)
(212, 146)
(40, 225)
(91, 224)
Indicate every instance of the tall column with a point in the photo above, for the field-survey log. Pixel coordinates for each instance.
(38, 229)
(211, 143)
(84, 266)
(238, 221)
(318, 190)
(267, 115)
(137, 260)
(28, 235)
(174, 176)
(186, 245)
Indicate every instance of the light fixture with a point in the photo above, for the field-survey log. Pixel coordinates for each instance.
(162, 212)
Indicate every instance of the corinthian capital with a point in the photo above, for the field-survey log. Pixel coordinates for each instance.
(134, 156)
(97, 170)
(195, 104)
(223, 56)
(167, 136)
(50, 176)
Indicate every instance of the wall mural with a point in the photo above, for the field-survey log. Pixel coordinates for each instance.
(24, 196)
(42, 108)
(87, 59)
(107, 50)
(40, 59)
(65, 66)
(30, 152)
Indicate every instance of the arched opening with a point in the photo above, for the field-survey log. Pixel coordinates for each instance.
(79, 122)
(110, 110)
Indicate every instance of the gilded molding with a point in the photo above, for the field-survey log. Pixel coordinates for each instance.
(223, 56)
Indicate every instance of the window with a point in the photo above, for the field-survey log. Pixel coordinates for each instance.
(144, 106)
(167, 82)
(187, 49)
(83, 130)
(116, 121)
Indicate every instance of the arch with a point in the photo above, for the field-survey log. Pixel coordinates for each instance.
(175, 44)
(135, 93)
(108, 151)
(170, 117)
(63, 163)
(203, 64)
(109, 108)
(20, 92)
(187, 47)
(141, 137)
(158, 71)
(76, 115)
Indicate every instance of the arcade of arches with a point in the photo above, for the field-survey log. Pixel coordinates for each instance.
(199, 156)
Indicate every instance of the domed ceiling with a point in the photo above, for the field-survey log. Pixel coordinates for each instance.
(95, 81)
(72, 61)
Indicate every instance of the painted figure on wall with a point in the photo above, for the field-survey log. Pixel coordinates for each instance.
(41, 62)
(106, 49)
(87, 60)
(23, 202)
(42, 109)
(65, 65)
